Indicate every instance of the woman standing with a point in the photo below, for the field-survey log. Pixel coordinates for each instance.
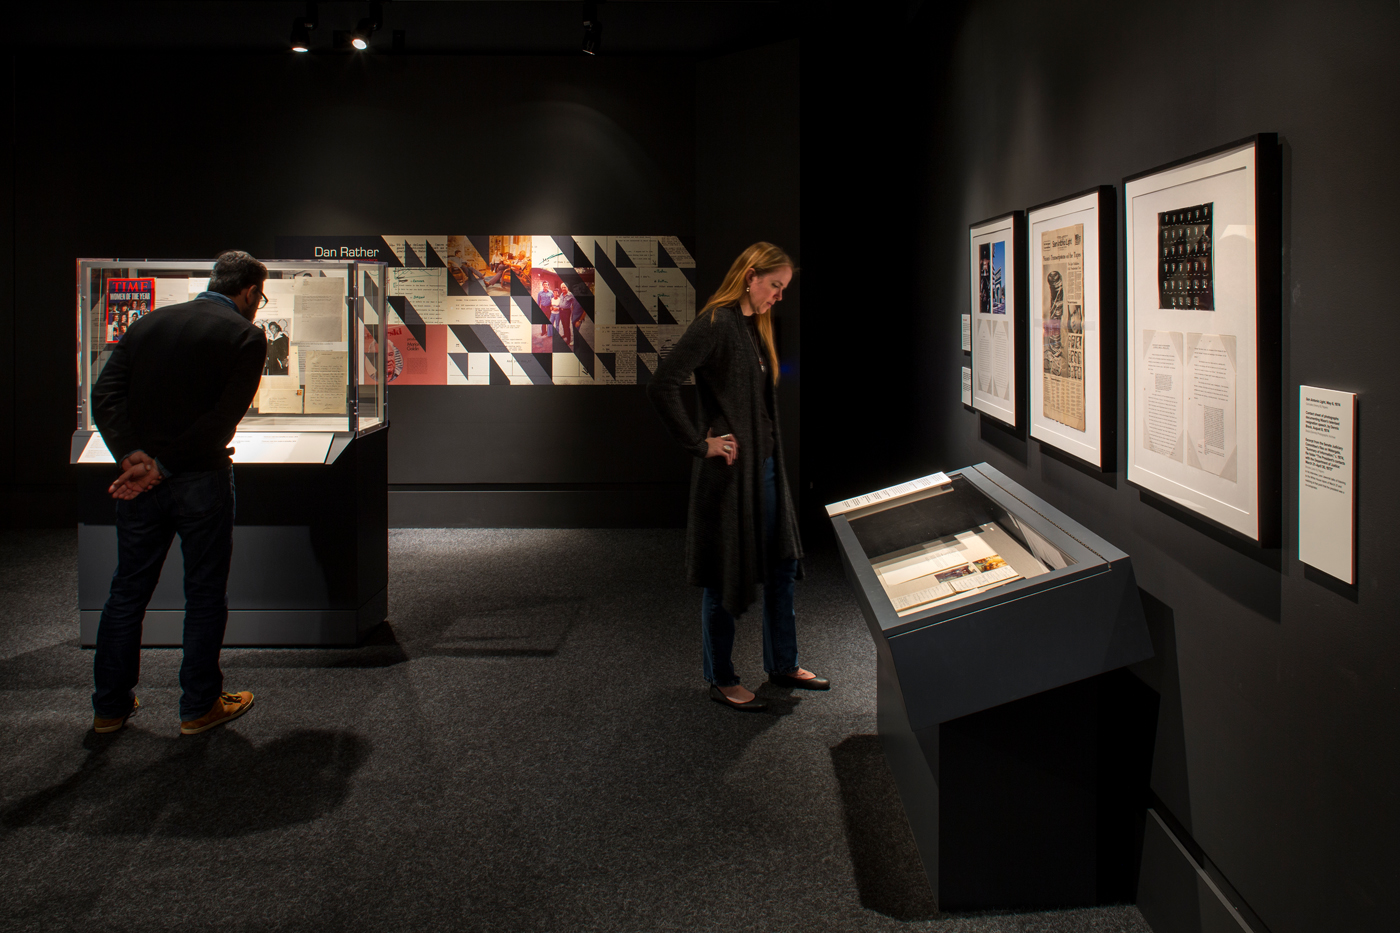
(741, 532)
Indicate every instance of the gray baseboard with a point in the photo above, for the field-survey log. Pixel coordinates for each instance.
(1175, 894)
(658, 505)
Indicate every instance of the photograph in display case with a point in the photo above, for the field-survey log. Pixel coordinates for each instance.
(1073, 381)
(1202, 239)
(996, 342)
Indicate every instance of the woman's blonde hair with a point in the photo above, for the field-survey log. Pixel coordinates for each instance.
(762, 258)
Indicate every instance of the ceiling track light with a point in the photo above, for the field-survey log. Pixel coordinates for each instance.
(592, 28)
(367, 27)
(301, 29)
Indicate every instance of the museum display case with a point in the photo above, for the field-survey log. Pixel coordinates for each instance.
(310, 457)
(1000, 625)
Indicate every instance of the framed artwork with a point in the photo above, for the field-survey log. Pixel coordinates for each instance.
(1203, 255)
(1072, 317)
(996, 267)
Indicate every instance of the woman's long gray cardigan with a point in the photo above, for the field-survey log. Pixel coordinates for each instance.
(724, 530)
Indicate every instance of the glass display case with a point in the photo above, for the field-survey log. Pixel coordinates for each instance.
(1001, 626)
(324, 378)
(310, 553)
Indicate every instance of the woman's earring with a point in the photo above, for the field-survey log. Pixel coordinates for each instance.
(746, 288)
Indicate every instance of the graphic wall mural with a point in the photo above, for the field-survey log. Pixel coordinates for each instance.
(524, 310)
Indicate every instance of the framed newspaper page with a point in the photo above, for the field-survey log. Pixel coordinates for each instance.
(996, 266)
(1072, 317)
(1203, 262)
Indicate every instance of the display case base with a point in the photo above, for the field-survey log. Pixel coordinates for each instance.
(324, 628)
(1034, 804)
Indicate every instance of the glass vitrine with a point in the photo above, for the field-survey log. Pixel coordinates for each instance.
(323, 381)
(951, 543)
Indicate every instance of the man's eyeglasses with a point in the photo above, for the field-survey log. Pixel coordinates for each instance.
(262, 301)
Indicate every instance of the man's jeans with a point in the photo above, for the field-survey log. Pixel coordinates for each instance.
(779, 620)
(199, 507)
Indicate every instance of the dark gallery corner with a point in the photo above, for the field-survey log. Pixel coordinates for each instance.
(1077, 436)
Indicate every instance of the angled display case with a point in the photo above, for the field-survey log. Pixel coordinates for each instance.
(1000, 626)
(310, 564)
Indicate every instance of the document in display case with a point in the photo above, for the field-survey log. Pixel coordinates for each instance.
(1000, 624)
(310, 561)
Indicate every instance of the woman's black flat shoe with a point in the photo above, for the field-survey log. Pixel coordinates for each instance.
(753, 706)
(797, 683)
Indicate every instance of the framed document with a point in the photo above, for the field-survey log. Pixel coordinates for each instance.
(1072, 315)
(1202, 244)
(996, 268)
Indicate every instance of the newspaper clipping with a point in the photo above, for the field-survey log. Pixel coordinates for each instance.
(1062, 337)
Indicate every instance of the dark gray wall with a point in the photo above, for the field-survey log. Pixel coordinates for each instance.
(748, 188)
(1276, 745)
(212, 150)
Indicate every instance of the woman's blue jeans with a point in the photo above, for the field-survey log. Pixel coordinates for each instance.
(779, 620)
(199, 507)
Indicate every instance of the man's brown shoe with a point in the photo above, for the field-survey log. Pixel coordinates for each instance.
(228, 706)
(113, 723)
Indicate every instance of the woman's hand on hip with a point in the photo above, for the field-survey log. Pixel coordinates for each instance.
(724, 446)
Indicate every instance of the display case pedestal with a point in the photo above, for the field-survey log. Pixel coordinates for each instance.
(1020, 747)
(310, 552)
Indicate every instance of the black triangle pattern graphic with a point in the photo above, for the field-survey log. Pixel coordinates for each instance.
(454, 288)
(469, 340)
(434, 260)
(584, 353)
(570, 249)
(608, 362)
(663, 313)
(643, 374)
(537, 366)
(462, 362)
(630, 309)
(489, 338)
(559, 345)
(498, 375)
(411, 259)
(518, 289)
(643, 344)
(482, 245)
(504, 304)
(621, 258)
(663, 258)
(411, 318)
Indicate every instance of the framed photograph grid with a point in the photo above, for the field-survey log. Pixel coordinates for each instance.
(1202, 249)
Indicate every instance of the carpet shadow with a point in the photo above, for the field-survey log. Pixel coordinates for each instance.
(530, 631)
(380, 649)
(889, 874)
(213, 785)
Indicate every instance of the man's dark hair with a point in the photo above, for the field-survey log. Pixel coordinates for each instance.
(235, 270)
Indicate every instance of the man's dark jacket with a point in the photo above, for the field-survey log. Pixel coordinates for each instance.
(724, 529)
(178, 384)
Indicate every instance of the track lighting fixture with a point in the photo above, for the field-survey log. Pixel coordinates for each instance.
(301, 29)
(368, 26)
(592, 28)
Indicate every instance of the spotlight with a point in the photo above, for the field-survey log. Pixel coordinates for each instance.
(368, 26)
(301, 29)
(592, 28)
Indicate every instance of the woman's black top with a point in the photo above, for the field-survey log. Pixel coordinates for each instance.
(725, 549)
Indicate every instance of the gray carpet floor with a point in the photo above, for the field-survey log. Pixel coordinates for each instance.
(526, 746)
